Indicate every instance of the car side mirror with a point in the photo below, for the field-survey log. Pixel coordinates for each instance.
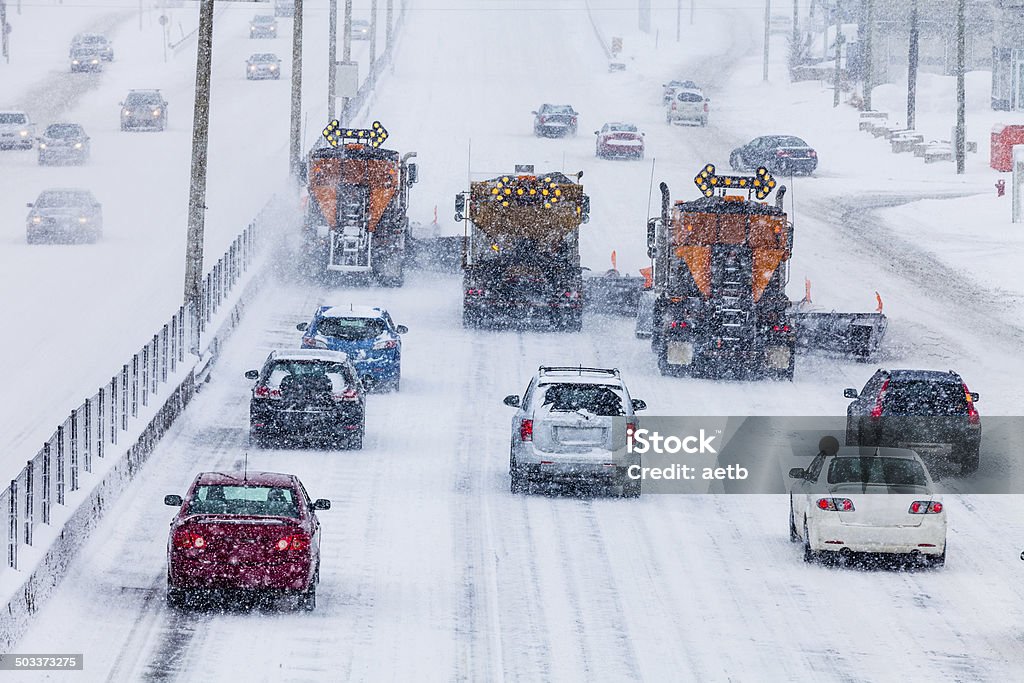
(534, 113)
(798, 473)
(29, 205)
(321, 504)
(302, 327)
(849, 393)
(597, 132)
(121, 103)
(707, 99)
(173, 501)
(512, 400)
(975, 397)
(401, 329)
(639, 404)
(413, 174)
(252, 374)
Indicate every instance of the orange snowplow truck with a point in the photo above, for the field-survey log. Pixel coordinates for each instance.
(721, 267)
(356, 218)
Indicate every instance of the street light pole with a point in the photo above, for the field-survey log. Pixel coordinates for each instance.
(869, 57)
(197, 186)
(296, 104)
(912, 60)
(332, 59)
(961, 45)
(389, 20)
(767, 33)
(373, 34)
(840, 39)
(346, 53)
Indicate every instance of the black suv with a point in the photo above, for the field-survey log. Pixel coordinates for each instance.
(144, 109)
(308, 395)
(928, 411)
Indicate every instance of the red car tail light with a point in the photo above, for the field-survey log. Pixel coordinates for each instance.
(925, 507)
(263, 391)
(781, 153)
(293, 542)
(705, 107)
(386, 344)
(836, 504)
(526, 430)
(187, 539)
(780, 328)
(630, 428)
(349, 394)
(572, 295)
(876, 412)
(972, 412)
(678, 324)
(812, 154)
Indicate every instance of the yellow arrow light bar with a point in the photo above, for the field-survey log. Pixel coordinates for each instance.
(374, 136)
(761, 183)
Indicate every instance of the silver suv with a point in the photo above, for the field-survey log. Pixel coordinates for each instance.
(16, 130)
(566, 429)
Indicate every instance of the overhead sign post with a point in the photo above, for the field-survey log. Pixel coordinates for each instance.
(347, 79)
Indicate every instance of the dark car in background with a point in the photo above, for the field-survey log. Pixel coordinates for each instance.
(66, 215)
(95, 43)
(307, 395)
(144, 109)
(928, 411)
(63, 143)
(244, 531)
(555, 120)
(782, 154)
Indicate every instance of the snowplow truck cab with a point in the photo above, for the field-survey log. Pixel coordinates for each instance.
(721, 268)
(521, 257)
(356, 218)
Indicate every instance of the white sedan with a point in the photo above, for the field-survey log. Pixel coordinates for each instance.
(866, 500)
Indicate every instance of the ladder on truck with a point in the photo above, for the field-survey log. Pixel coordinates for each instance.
(732, 270)
(351, 242)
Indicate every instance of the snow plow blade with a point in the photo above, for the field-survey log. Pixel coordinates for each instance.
(612, 294)
(854, 334)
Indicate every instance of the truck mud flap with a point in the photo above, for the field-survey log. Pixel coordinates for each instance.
(854, 334)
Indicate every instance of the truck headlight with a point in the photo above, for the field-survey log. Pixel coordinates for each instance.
(23, 133)
(78, 145)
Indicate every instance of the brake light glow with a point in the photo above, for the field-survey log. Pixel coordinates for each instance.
(349, 394)
(476, 292)
(526, 430)
(572, 295)
(812, 154)
(876, 412)
(678, 324)
(187, 539)
(781, 153)
(925, 507)
(972, 412)
(263, 391)
(293, 542)
(836, 504)
(386, 344)
(780, 328)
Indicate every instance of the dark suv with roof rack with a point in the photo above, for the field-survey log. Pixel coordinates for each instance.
(928, 411)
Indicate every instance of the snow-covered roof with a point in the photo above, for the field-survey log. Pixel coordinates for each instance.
(869, 451)
(351, 311)
(310, 354)
(276, 479)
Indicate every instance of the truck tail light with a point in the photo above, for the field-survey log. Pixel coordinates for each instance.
(972, 412)
(836, 504)
(876, 412)
(925, 507)
(526, 430)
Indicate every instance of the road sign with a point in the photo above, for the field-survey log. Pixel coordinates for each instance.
(346, 79)
(374, 136)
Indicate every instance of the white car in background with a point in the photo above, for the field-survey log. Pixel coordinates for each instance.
(866, 500)
(566, 430)
(16, 130)
(687, 104)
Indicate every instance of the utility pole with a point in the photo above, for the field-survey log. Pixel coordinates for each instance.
(3, 31)
(679, 19)
(912, 59)
(961, 49)
(796, 26)
(840, 39)
(346, 52)
(691, 12)
(767, 33)
(197, 187)
(332, 59)
(868, 56)
(296, 113)
(389, 21)
(373, 34)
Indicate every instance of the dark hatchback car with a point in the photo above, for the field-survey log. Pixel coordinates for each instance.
(782, 154)
(244, 531)
(927, 411)
(309, 396)
(144, 109)
(63, 143)
(555, 120)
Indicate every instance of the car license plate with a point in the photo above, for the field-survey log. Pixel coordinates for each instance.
(571, 436)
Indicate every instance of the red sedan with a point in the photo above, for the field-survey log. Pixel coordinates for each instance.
(253, 531)
(619, 140)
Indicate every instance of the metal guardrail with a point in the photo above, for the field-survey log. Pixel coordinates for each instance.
(92, 430)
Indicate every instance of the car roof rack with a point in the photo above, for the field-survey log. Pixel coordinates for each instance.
(544, 369)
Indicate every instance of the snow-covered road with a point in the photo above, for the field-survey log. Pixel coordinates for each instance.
(432, 570)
